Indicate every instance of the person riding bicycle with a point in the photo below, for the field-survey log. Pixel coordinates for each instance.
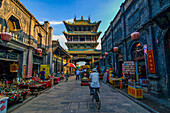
(94, 76)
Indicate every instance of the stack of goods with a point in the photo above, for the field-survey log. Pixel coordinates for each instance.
(13, 92)
(84, 81)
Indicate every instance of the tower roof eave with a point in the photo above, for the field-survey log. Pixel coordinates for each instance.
(82, 23)
(70, 34)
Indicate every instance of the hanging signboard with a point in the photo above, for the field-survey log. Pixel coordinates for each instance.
(24, 70)
(151, 61)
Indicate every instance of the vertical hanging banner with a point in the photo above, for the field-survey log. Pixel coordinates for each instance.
(151, 61)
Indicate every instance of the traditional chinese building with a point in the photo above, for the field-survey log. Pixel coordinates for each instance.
(60, 57)
(82, 39)
(150, 50)
(30, 42)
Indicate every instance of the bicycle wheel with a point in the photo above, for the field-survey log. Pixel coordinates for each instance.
(98, 102)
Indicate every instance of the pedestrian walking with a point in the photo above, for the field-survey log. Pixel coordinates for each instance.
(66, 77)
(77, 74)
(43, 74)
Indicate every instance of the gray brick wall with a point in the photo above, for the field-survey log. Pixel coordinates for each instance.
(137, 17)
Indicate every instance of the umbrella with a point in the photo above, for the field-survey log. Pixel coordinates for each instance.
(70, 65)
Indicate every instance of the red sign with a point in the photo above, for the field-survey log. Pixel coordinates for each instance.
(151, 61)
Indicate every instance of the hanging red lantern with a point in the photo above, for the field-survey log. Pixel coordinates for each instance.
(39, 51)
(106, 53)
(135, 35)
(6, 37)
(115, 49)
(40, 54)
(101, 58)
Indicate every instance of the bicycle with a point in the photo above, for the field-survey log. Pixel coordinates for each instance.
(96, 96)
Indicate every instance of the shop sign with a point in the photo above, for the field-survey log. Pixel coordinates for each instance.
(24, 70)
(7, 55)
(12, 56)
(123, 69)
(136, 93)
(37, 60)
(145, 54)
(2, 55)
(151, 61)
(3, 105)
(163, 19)
(129, 68)
(47, 70)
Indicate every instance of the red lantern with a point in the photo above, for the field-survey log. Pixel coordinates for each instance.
(40, 54)
(39, 51)
(135, 35)
(106, 53)
(101, 58)
(115, 49)
(6, 37)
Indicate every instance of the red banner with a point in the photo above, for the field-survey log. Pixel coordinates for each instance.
(151, 61)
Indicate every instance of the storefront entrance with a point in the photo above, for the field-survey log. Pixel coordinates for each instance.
(138, 57)
(5, 73)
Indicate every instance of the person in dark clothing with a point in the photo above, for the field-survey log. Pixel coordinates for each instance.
(43, 74)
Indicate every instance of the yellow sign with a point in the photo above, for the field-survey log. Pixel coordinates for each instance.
(24, 70)
(47, 70)
(136, 93)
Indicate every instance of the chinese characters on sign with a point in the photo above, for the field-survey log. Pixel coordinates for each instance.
(151, 61)
(129, 68)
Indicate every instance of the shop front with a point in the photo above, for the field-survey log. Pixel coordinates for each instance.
(37, 61)
(9, 57)
(140, 62)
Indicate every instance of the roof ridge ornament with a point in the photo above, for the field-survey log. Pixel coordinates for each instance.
(81, 18)
(89, 18)
(74, 17)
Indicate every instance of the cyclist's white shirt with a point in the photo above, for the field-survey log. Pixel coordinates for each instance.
(95, 80)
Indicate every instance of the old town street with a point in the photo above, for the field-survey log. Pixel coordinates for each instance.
(70, 97)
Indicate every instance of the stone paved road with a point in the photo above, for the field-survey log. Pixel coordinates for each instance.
(70, 97)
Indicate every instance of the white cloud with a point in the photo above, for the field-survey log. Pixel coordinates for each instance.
(99, 46)
(57, 22)
(61, 39)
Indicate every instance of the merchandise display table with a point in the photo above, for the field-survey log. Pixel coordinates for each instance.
(117, 82)
(26, 86)
(135, 91)
(47, 82)
(37, 87)
(56, 80)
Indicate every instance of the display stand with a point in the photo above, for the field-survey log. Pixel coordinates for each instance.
(134, 89)
(47, 82)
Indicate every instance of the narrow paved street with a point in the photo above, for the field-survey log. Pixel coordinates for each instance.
(70, 97)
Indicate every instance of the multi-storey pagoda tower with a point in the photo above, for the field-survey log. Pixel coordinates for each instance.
(82, 39)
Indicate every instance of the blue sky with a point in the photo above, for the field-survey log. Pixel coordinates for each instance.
(55, 11)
